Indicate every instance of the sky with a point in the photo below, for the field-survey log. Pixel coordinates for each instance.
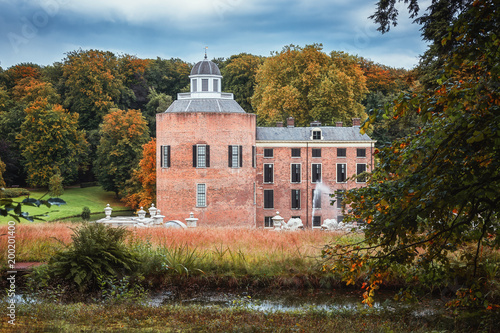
(42, 31)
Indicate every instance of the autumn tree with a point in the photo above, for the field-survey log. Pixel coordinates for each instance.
(437, 192)
(2, 170)
(140, 189)
(93, 85)
(50, 143)
(239, 74)
(307, 84)
(133, 71)
(123, 133)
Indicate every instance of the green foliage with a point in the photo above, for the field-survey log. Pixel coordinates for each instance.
(439, 188)
(86, 213)
(14, 209)
(13, 192)
(239, 72)
(158, 102)
(56, 188)
(168, 76)
(98, 251)
(123, 133)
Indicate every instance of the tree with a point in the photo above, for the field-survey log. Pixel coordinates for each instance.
(93, 85)
(50, 143)
(437, 191)
(122, 135)
(140, 190)
(168, 76)
(133, 70)
(158, 102)
(239, 75)
(307, 84)
(2, 170)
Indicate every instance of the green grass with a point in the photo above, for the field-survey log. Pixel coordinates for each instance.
(76, 198)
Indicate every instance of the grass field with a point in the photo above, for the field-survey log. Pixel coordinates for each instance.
(76, 198)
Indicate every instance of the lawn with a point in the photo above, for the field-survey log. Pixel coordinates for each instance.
(76, 198)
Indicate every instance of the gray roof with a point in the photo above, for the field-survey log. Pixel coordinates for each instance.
(329, 133)
(206, 105)
(205, 67)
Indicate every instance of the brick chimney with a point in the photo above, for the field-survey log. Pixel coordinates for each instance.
(279, 124)
(316, 123)
(290, 122)
(356, 122)
(338, 124)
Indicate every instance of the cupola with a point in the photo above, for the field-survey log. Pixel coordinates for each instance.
(205, 80)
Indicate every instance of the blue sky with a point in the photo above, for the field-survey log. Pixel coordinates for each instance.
(42, 31)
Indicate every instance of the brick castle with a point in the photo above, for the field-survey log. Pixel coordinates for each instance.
(214, 161)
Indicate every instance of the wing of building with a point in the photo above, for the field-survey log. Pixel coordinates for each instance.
(214, 161)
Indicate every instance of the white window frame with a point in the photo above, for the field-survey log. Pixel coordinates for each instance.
(298, 200)
(235, 156)
(264, 173)
(314, 131)
(321, 177)
(337, 173)
(342, 156)
(201, 157)
(271, 224)
(201, 196)
(291, 173)
(358, 182)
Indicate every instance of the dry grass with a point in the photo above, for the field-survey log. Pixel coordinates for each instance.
(37, 242)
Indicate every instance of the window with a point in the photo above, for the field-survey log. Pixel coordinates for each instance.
(341, 173)
(268, 222)
(295, 152)
(316, 173)
(268, 173)
(361, 152)
(316, 221)
(193, 85)
(316, 135)
(268, 199)
(341, 152)
(340, 197)
(316, 198)
(360, 168)
(201, 195)
(254, 156)
(235, 158)
(268, 152)
(316, 152)
(216, 85)
(295, 173)
(204, 84)
(295, 199)
(165, 156)
(201, 156)
(340, 218)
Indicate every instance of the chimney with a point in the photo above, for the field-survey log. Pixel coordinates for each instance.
(356, 122)
(338, 124)
(279, 124)
(316, 123)
(290, 122)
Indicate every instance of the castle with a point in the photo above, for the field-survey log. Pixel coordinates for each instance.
(214, 161)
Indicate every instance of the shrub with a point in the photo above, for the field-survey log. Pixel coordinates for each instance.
(97, 251)
(86, 213)
(13, 192)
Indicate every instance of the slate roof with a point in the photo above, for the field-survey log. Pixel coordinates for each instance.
(206, 105)
(205, 67)
(329, 133)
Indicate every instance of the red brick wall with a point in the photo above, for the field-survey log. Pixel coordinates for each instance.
(282, 185)
(230, 191)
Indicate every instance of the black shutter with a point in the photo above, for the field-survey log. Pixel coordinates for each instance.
(241, 156)
(207, 156)
(230, 157)
(253, 156)
(168, 156)
(294, 199)
(161, 157)
(194, 156)
(268, 199)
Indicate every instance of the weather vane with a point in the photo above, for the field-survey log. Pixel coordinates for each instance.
(206, 47)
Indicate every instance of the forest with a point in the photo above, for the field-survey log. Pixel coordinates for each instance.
(59, 124)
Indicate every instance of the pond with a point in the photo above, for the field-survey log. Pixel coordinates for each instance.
(292, 301)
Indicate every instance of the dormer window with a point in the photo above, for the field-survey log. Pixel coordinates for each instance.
(316, 134)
